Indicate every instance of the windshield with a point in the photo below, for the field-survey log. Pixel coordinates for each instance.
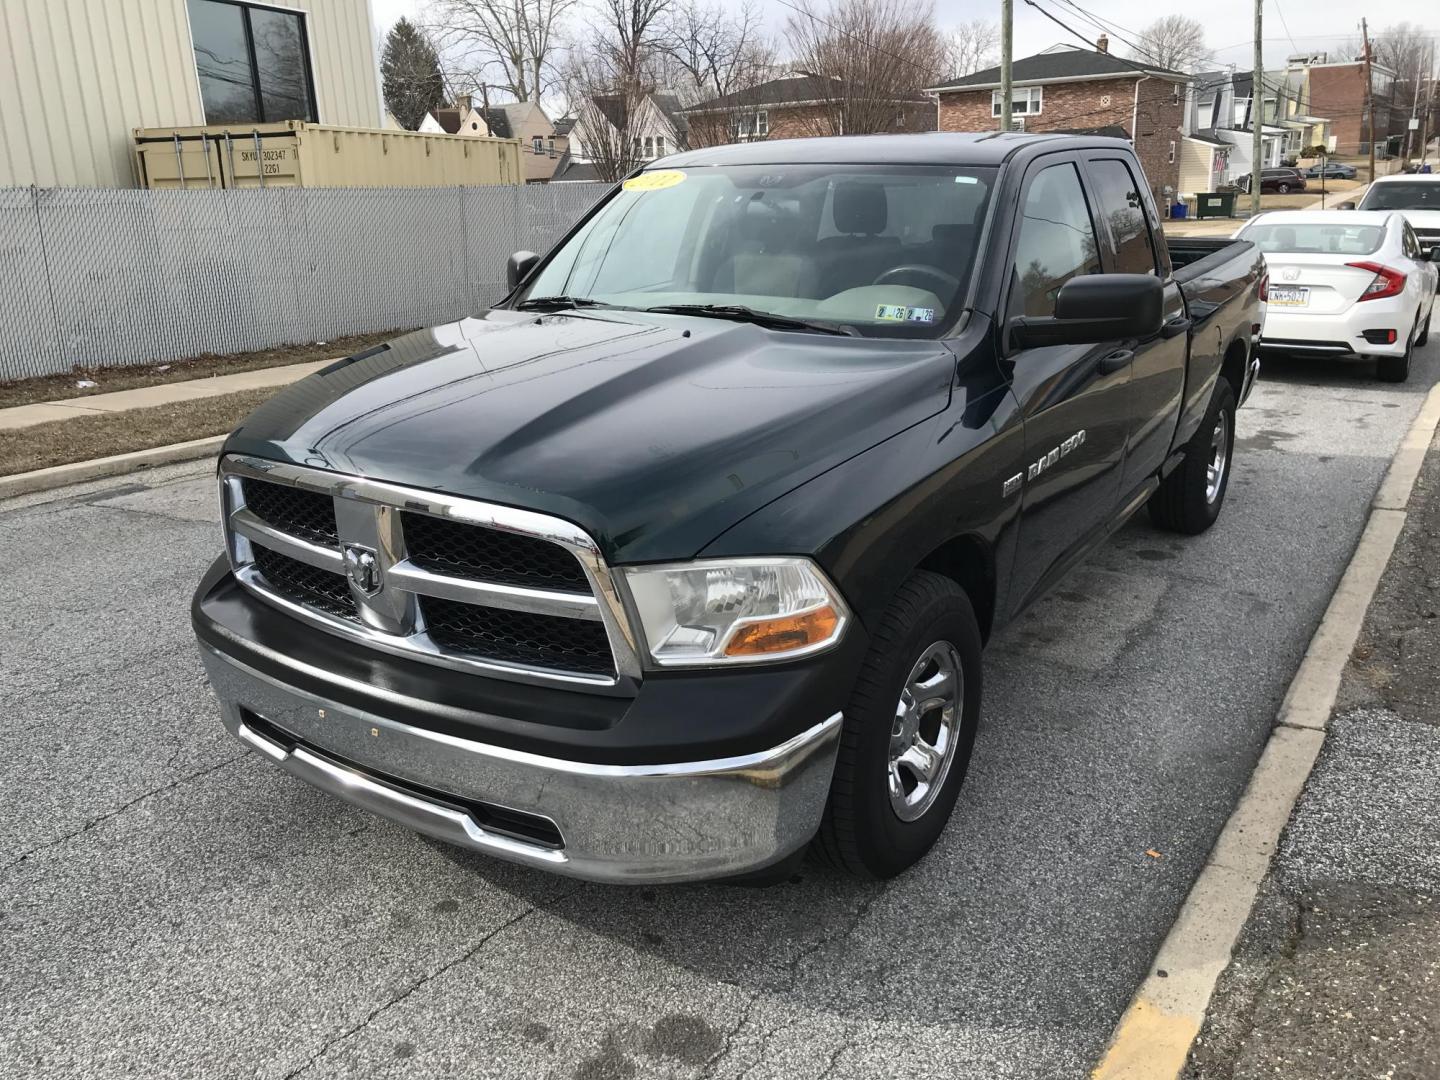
(1403, 195)
(1338, 238)
(887, 250)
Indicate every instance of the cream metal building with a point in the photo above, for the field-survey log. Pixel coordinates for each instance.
(77, 76)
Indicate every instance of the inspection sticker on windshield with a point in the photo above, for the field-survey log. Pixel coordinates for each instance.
(654, 181)
(901, 313)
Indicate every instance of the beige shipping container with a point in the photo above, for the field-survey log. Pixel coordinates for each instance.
(299, 154)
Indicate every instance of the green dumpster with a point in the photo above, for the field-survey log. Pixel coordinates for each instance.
(1213, 204)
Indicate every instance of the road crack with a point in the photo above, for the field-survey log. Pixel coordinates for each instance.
(424, 980)
(107, 816)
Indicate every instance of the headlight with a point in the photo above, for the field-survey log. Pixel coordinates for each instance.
(735, 611)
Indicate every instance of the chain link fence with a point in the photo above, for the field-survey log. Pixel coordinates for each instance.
(98, 277)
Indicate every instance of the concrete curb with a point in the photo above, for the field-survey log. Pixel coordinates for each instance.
(1153, 1038)
(101, 468)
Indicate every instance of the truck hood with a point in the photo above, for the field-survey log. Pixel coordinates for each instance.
(654, 433)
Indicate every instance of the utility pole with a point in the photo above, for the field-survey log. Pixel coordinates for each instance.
(1429, 106)
(1257, 111)
(1414, 107)
(1369, 96)
(1007, 50)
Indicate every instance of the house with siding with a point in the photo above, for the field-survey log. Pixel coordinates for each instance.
(78, 76)
(654, 125)
(1066, 89)
(541, 145)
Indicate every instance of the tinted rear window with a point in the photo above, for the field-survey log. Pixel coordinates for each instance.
(1318, 238)
(1404, 195)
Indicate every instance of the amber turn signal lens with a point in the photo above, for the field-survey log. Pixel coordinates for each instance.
(785, 634)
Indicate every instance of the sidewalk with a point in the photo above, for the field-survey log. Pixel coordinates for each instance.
(1226, 226)
(1337, 973)
(22, 416)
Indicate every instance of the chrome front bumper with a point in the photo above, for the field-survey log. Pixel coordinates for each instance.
(615, 823)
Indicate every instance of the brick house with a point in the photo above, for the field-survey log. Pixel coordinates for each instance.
(1337, 91)
(801, 106)
(1076, 90)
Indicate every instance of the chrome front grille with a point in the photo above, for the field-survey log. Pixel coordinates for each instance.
(449, 581)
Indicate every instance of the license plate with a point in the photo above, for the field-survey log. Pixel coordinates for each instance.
(1283, 296)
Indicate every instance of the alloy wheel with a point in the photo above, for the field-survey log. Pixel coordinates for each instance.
(926, 730)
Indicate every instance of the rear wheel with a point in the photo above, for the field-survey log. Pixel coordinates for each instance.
(1283, 189)
(1396, 368)
(1189, 499)
(909, 730)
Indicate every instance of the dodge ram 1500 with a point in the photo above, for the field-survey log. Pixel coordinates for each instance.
(679, 560)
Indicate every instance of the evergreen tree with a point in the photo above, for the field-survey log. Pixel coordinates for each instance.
(410, 70)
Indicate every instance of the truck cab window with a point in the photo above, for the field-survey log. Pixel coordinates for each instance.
(1123, 208)
(1057, 240)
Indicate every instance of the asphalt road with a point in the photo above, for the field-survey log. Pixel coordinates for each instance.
(173, 906)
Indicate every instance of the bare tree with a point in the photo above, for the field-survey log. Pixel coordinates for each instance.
(610, 75)
(515, 40)
(410, 73)
(1174, 41)
(1404, 49)
(972, 46)
(869, 60)
(712, 52)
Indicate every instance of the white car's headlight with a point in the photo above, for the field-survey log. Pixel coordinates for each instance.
(735, 610)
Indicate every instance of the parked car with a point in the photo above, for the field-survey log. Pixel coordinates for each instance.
(1417, 197)
(1345, 285)
(1281, 181)
(1274, 181)
(683, 555)
(1331, 170)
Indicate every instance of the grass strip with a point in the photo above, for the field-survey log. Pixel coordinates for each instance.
(61, 442)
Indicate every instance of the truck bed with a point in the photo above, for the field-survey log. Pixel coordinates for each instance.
(1195, 256)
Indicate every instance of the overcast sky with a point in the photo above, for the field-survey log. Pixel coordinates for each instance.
(1297, 26)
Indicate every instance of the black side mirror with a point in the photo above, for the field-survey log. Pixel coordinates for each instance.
(1349, 205)
(519, 267)
(1095, 308)
(1435, 253)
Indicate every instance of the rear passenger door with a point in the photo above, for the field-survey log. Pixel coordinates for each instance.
(1128, 222)
(1073, 397)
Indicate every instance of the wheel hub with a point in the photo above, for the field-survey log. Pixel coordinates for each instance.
(925, 731)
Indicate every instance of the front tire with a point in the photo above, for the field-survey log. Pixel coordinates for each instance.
(1189, 499)
(909, 731)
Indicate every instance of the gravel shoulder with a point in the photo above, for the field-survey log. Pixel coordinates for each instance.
(1338, 970)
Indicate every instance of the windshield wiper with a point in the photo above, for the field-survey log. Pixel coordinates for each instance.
(552, 303)
(741, 313)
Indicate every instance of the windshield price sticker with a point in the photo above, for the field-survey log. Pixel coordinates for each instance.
(654, 181)
(901, 313)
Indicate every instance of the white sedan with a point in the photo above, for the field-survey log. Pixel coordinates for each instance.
(1343, 284)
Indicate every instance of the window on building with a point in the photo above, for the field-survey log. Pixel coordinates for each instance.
(649, 147)
(753, 125)
(1172, 151)
(1024, 101)
(1122, 207)
(659, 145)
(537, 144)
(253, 63)
(1057, 241)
